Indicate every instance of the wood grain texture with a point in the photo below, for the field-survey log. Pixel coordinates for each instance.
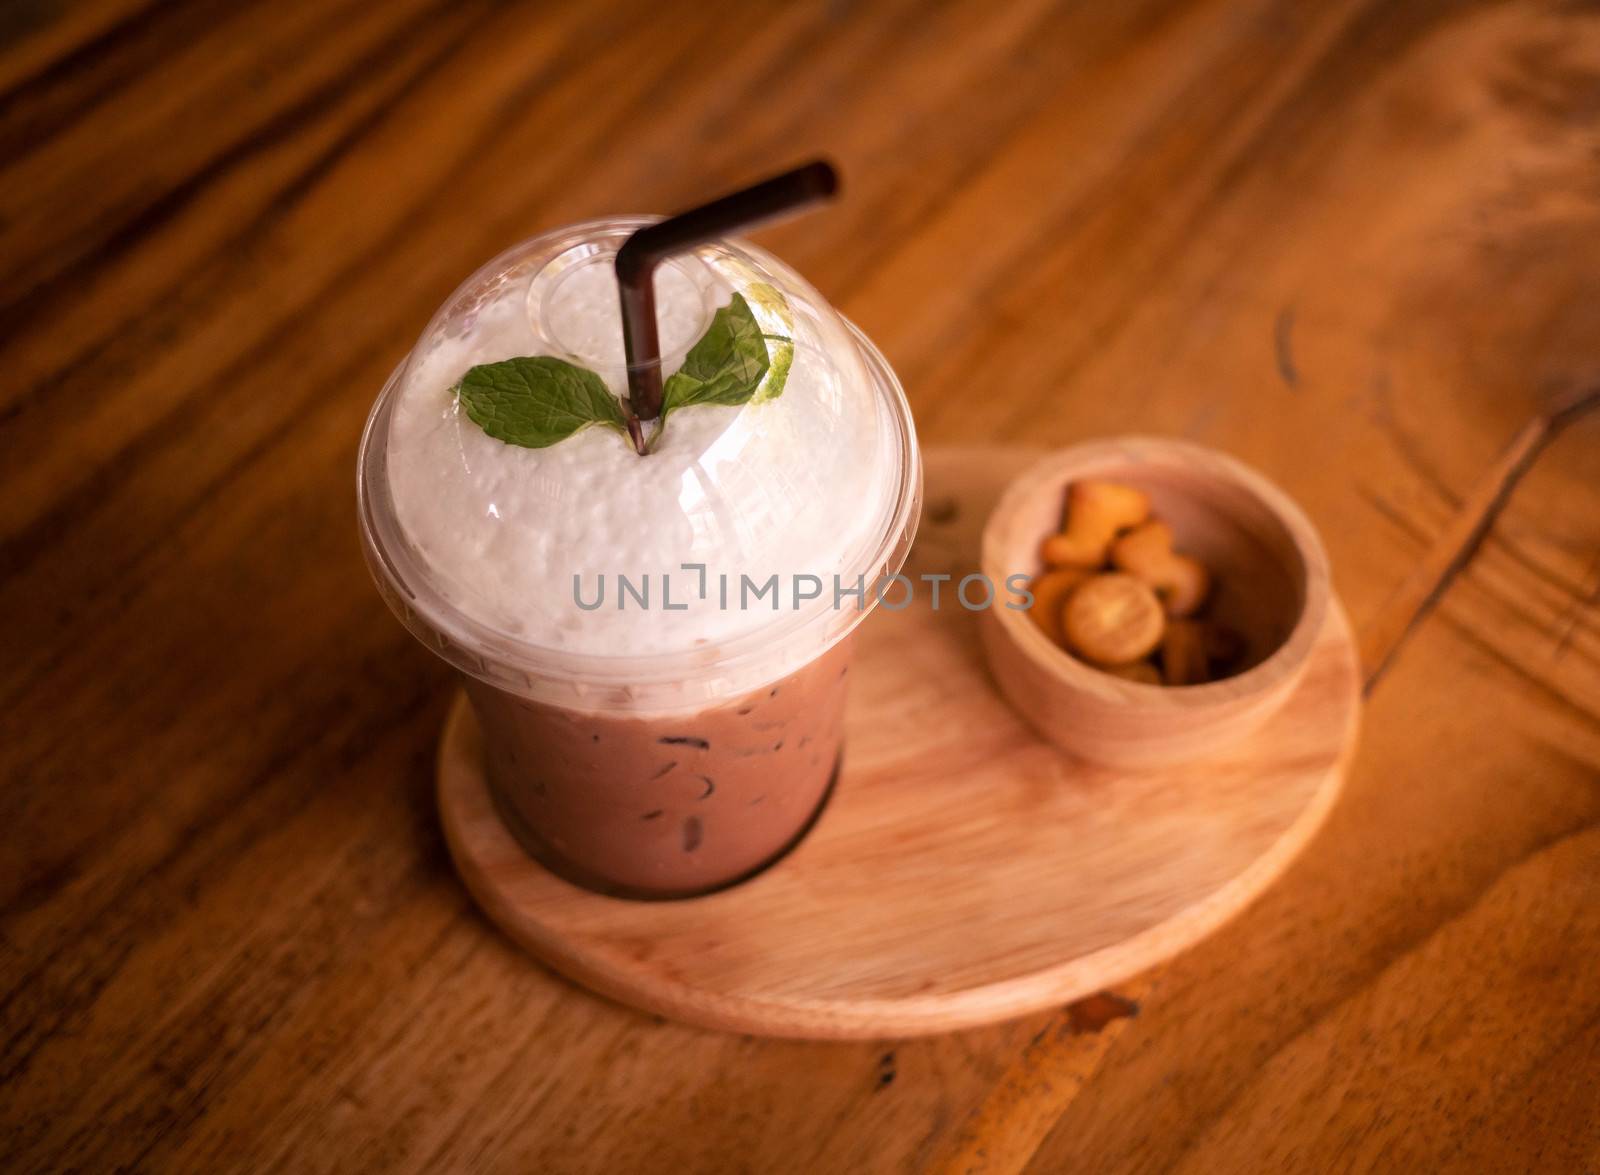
(1356, 243)
(964, 872)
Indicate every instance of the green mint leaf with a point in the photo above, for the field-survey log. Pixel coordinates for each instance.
(766, 296)
(782, 360)
(536, 401)
(725, 366)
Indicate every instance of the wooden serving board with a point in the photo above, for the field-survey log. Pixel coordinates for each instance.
(964, 870)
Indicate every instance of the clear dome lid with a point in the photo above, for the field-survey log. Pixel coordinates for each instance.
(734, 548)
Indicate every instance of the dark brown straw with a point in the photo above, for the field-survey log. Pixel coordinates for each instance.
(647, 248)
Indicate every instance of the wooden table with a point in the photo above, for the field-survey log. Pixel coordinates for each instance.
(1355, 243)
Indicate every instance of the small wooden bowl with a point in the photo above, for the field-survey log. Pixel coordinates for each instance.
(1271, 584)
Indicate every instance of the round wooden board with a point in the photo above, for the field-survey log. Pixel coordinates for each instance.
(964, 871)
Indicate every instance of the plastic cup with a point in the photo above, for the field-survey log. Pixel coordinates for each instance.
(673, 747)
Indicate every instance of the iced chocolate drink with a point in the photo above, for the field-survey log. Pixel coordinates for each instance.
(655, 642)
(664, 804)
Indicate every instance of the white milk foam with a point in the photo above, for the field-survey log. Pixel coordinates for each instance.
(797, 485)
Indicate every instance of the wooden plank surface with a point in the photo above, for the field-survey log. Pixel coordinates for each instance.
(1356, 243)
